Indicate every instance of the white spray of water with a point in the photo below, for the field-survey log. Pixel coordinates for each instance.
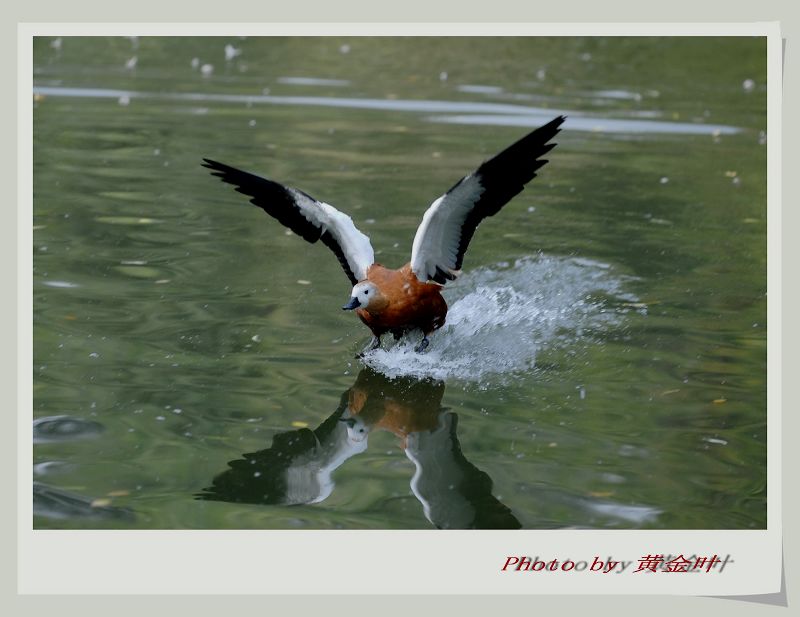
(500, 317)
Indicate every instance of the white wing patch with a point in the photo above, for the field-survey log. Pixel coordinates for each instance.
(437, 239)
(451, 221)
(355, 246)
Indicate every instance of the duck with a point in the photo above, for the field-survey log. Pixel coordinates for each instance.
(407, 299)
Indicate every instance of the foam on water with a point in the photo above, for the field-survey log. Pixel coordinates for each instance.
(500, 317)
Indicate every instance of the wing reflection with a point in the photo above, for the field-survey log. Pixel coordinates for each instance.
(298, 467)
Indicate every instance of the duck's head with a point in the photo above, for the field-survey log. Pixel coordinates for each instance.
(364, 295)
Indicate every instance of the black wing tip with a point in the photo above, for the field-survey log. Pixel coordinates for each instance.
(279, 202)
(548, 131)
(220, 170)
(552, 128)
(230, 175)
(211, 164)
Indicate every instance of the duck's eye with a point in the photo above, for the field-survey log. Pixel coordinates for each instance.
(366, 292)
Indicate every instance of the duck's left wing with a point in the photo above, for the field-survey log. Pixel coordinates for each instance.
(448, 225)
(307, 217)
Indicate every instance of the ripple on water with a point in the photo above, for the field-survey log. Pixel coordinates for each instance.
(52, 503)
(500, 317)
(64, 428)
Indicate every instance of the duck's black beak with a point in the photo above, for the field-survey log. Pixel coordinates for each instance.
(353, 304)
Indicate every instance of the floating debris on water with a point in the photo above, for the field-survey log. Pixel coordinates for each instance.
(125, 220)
(638, 515)
(60, 284)
(479, 89)
(231, 52)
(313, 81)
(136, 271)
(50, 502)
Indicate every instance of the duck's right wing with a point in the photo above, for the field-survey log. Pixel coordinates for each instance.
(313, 220)
(448, 225)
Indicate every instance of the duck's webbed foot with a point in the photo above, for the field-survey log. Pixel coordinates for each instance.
(373, 344)
(422, 345)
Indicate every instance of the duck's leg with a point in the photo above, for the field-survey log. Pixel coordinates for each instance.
(422, 344)
(373, 344)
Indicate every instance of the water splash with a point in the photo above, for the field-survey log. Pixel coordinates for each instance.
(500, 318)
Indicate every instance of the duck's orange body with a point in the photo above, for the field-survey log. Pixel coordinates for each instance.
(403, 304)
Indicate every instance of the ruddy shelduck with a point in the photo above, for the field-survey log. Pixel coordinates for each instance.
(399, 301)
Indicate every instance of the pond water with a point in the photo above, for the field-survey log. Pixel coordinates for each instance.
(604, 360)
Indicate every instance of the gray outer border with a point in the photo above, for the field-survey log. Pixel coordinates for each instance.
(446, 11)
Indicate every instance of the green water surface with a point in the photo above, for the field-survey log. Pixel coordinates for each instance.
(606, 366)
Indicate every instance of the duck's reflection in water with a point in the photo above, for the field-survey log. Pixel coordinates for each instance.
(297, 469)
